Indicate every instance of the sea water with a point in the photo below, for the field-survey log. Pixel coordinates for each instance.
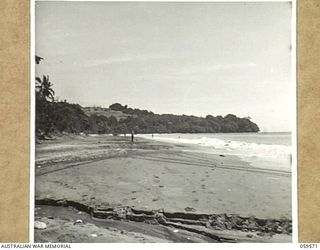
(264, 150)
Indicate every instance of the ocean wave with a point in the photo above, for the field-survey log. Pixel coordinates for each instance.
(248, 149)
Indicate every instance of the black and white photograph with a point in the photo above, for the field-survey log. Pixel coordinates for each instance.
(164, 122)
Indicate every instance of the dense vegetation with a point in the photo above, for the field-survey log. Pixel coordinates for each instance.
(65, 117)
(144, 121)
(59, 117)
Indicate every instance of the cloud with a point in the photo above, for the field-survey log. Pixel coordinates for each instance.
(198, 71)
(205, 69)
(123, 59)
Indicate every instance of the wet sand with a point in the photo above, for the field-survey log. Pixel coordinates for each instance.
(109, 172)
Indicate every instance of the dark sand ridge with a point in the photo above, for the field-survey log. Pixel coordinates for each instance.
(108, 172)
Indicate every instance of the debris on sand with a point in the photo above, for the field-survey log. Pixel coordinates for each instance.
(40, 225)
(217, 227)
(78, 222)
(190, 209)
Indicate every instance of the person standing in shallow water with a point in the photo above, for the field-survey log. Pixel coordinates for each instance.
(132, 135)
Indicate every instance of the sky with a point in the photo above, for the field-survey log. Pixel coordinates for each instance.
(182, 58)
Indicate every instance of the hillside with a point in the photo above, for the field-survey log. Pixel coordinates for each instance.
(63, 117)
(107, 112)
(148, 122)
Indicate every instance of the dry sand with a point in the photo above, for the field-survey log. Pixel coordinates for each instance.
(109, 172)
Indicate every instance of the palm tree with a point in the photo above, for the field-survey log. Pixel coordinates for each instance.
(43, 88)
(38, 59)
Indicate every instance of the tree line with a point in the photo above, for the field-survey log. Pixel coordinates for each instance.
(144, 121)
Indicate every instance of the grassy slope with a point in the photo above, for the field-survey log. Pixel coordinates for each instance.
(105, 112)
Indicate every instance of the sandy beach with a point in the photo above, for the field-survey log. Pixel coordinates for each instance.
(150, 191)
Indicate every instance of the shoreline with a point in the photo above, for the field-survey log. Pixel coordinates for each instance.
(255, 159)
(109, 171)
